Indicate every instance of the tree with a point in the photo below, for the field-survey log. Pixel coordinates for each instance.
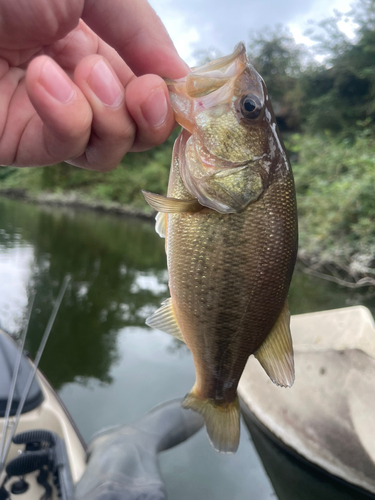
(276, 56)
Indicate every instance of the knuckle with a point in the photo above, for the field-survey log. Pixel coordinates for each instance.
(76, 129)
(99, 158)
(125, 134)
(59, 18)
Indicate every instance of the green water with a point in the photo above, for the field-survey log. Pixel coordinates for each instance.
(108, 367)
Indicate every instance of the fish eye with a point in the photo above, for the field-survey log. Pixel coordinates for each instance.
(250, 107)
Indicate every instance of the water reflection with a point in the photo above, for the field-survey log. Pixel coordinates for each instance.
(118, 277)
(310, 294)
(15, 273)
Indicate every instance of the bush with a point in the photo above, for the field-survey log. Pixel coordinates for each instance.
(335, 182)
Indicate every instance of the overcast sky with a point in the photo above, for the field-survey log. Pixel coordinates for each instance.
(201, 24)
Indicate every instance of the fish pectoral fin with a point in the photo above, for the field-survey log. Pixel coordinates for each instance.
(164, 319)
(276, 352)
(171, 205)
(222, 421)
(160, 224)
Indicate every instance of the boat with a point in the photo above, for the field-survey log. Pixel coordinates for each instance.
(46, 436)
(317, 439)
(44, 457)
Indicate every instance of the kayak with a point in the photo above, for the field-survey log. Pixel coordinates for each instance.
(48, 459)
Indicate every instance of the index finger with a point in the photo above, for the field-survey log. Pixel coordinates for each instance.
(133, 28)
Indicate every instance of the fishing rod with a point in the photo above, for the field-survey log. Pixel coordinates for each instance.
(34, 370)
(15, 377)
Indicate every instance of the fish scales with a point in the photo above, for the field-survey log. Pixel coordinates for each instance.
(253, 254)
(231, 238)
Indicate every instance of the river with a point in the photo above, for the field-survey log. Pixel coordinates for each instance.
(107, 366)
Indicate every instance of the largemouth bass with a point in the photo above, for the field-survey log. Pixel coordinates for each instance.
(230, 224)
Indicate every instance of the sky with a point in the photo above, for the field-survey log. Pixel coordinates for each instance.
(221, 24)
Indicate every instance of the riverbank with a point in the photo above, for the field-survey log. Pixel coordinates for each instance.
(75, 200)
(356, 273)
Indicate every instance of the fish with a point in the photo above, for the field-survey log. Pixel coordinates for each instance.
(230, 223)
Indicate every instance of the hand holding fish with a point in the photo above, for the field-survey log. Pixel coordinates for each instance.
(75, 82)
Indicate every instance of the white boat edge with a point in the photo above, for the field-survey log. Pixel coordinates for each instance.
(299, 416)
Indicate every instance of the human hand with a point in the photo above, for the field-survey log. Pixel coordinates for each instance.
(67, 95)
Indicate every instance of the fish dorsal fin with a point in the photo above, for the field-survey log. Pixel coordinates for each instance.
(171, 205)
(276, 352)
(164, 319)
(160, 224)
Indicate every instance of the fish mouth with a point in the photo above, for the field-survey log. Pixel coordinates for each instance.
(203, 80)
(222, 63)
(206, 85)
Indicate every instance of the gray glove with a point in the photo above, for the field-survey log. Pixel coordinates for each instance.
(122, 462)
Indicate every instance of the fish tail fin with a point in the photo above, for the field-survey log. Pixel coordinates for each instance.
(222, 421)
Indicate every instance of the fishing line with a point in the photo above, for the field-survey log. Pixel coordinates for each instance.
(35, 368)
(15, 376)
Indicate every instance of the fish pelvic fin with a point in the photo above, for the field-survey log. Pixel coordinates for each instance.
(164, 319)
(171, 205)
(160, 226)
(222, 421)
(276, 352)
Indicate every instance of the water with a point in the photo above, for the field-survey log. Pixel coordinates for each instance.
(108, 367)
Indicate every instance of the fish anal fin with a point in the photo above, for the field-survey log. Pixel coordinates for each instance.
(164, 319)
(171, 205)
(276, 352)
(222, 421)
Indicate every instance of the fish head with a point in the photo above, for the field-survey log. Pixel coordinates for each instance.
(227, 116)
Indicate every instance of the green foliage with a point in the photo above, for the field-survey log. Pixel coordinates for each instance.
(5, 172)
(332, 95)
(27, 178)
(278, 58)
(335, 181)
(137, 171)
(341, 90)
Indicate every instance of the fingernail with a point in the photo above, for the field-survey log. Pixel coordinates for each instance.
(155, 109)
(56, 82)
(104, 84)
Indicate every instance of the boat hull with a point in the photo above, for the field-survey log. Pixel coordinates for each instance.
(327, 417)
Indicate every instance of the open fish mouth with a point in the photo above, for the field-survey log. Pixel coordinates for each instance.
(207, 85)
(205, 79)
